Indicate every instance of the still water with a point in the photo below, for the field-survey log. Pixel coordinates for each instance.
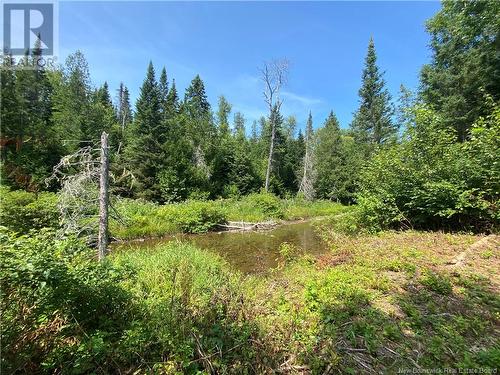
(248, 251)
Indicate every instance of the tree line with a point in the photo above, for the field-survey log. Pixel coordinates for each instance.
(170, 147)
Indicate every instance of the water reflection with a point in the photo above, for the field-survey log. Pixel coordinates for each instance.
(250, 252)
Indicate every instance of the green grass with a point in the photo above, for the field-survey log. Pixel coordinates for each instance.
(145, 219)
(373, 304)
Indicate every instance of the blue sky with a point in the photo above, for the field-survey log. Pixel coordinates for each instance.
(226, 43)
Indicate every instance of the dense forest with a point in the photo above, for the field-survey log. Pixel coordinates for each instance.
(171, 147)
(424, 160)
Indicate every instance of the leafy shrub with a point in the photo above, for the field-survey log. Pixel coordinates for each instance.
(194, 216)
(61, 309)
(145, 219)
(22, 211)
(431, 181)
(268, 203)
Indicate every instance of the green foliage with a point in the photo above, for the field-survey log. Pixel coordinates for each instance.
(61, 310)
(269, 204)
(436, 283)
(372, 122)
(337, 162)
(22, 211)
(465, 64)
(189, 302)
(193, 216)
(146, 219)
(430, 181)
(289, 251)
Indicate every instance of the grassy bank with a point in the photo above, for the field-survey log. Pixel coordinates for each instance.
(145, 219)
(374, 303)
(21, 211)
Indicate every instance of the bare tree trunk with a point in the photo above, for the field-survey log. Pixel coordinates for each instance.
(103, 198)
(271, 152)
(274, 76)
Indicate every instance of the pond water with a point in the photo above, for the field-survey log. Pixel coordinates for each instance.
(248, 251)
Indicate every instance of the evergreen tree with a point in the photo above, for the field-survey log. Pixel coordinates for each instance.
(124, 111)
(29, 147)
(10, 103)
(465, 66)
(239, 125)
(144, 149)
(163, 92)
(102, 117)
(199, 119)
(196, 100)
(71, 103)
(103, 95)
(173, 100)
(255, 132)
(223, 111)
(338, 161)
(372, 122)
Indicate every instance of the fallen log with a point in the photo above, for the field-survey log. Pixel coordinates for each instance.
(242, 225)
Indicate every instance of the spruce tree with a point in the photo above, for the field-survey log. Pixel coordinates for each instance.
(144, 151)
(163, 92)
(173, 100)
(71, 102)
(103, 95)
(123, 111)
(223, 111)
(328, 157)
(239, 125)
(337, 162)
(196, 100)
(372, 122)
(197, 109)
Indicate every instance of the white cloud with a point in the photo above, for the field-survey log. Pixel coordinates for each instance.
(303, 100)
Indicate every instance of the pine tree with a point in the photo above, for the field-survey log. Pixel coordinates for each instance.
(372, 122)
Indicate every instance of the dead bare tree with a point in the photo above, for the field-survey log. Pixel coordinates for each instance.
(78, 175)
(274, 74)
(308, 172)
(84, 209)
(102, 240)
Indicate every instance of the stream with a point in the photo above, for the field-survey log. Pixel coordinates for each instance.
(248, 251)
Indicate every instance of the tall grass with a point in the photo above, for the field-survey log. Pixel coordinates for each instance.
(146, 219)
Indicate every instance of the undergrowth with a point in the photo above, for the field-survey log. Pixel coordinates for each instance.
(380, 303)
